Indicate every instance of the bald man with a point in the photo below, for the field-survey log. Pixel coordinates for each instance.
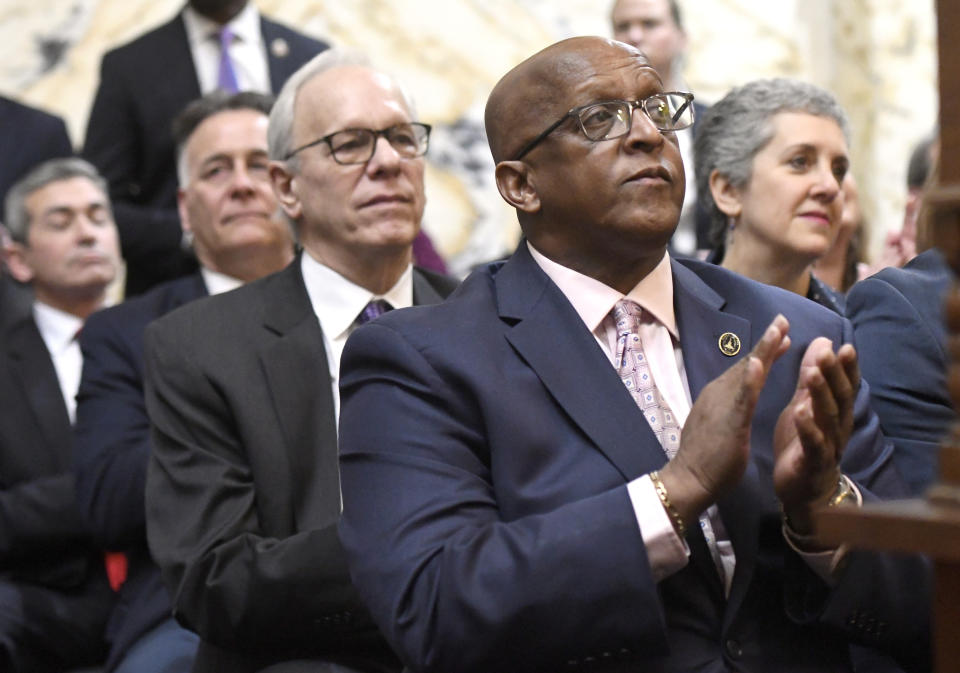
(595, 457)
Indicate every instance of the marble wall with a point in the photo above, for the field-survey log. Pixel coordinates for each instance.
(878, 56)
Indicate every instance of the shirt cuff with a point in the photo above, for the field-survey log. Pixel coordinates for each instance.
(667, 552)
(823, 563)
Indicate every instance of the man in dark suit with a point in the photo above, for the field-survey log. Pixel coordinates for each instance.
(508, 502)
(242, 489)
(54, 595)
(143, 85)
(897, 318)
(227, 202)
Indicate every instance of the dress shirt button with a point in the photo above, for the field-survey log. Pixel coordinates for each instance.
(734, 651)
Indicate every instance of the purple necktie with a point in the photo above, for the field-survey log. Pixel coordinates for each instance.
(227, 78)
(374, 309)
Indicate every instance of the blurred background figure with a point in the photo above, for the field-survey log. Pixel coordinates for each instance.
(655, 27)
(771, 156)
(208, 45)
(54, 594)
(840, 267)
(899, 247)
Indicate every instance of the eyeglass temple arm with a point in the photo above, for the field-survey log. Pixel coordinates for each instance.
(683, 108)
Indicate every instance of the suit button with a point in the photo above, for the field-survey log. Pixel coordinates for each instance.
(734, 651)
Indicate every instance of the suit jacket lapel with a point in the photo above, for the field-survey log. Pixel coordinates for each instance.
(423, 292)
(549, 335)
(701, 322)
(280, 65)
(298, 378)
(35, 373)
(178, 59)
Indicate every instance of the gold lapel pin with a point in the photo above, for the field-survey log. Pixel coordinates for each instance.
(729, 344)
(279, 47)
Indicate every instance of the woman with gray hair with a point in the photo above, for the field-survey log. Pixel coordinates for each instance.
(770, 159)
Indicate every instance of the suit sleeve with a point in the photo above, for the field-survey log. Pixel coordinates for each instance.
(232, 584)
(878, 599)
(904, 362)
(452, 584)
(112, 145)
(111, 435)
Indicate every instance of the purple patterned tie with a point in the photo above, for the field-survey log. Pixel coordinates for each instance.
(226, 78)
(374, 309)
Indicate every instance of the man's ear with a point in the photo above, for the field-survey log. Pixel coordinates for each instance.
(725, 195)
(182, 211)
(515, 182)
(284, 186)
(15, 255)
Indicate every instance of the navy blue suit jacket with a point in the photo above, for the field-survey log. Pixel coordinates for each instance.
(486, 445)
(897, 317)
(143, 86)
(111, 448)
(27, 137)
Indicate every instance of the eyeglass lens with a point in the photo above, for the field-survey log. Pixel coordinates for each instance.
(668, 112)
(356, 146)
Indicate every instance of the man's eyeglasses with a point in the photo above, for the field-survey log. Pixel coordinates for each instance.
(357, 146)
(611, 119)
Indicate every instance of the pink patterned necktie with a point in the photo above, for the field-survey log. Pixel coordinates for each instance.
(634, 371)
(226, 76)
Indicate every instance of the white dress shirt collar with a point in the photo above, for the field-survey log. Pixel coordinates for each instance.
(217, 282)
(58, 328)
(593, 300)
(338, 301)
(247, 51)
(245, 25)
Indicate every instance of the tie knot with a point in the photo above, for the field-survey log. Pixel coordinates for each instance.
(627, 314)
(225, 35)
(374, 309)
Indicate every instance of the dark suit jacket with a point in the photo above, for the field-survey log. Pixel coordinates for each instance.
(486, 518)
(43, 540)
(143, 85)
(111, 448)
(242, 489)
(27, 137)
(897, 317)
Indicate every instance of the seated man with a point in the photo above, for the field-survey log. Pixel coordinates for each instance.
(228, 206)
(517, 493)
(54, 595)
(243, 492)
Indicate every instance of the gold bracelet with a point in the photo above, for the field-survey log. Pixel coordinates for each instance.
(667, 505)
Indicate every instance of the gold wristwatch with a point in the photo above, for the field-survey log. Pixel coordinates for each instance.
(846, 493)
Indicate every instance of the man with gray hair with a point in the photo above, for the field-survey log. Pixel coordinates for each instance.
(228, 206)
(54, 595)
(243, 491)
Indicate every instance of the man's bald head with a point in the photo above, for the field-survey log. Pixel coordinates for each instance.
(532, 95)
